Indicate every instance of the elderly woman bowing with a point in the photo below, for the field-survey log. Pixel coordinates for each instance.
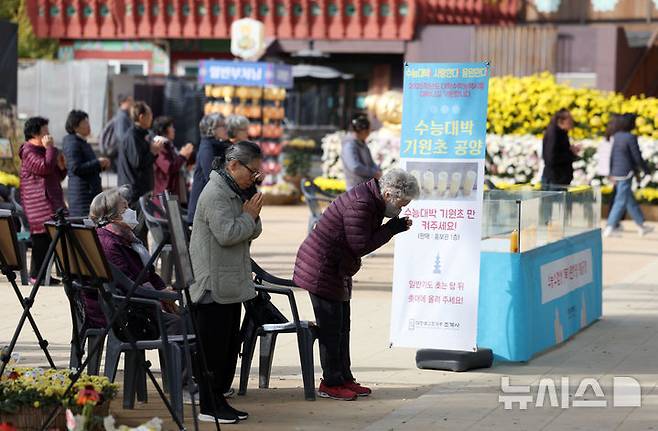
(350, 228)
(225, 223)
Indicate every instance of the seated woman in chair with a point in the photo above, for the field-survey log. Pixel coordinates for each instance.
(114, 221)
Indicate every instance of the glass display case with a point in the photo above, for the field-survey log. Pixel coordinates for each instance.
(521, 220)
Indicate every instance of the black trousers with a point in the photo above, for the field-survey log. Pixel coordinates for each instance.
(333, 320)
(219, 331)
(40, 244)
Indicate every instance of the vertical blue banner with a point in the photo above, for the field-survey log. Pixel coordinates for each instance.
(437, 261)
(445, 110)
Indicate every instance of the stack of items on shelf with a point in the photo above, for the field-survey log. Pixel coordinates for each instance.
(263, 107)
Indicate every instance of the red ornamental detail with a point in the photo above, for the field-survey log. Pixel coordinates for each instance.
(283, 19)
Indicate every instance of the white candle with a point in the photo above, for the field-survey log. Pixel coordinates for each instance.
(416, 174)
(443, 183)
(469, 181)
(428, 182)
(455, 182)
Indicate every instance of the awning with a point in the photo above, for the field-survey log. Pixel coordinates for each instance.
(319, 72)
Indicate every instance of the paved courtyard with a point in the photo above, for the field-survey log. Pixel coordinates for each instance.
(623, 343)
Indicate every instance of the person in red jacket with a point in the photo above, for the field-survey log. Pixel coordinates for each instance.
(350, 228)
(168, 163)
(42, 170)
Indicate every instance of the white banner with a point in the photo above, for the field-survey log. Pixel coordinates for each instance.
(565, 275)
(437, 262)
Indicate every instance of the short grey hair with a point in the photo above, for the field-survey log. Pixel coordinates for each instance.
(235, 123)
(244, 152)
(209, 123)
(104, 208)
(401, 185)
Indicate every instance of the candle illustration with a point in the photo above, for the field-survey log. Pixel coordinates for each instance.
(442, 184)
(455, 182)
(428, 182)
(469, 182)
(416, 174)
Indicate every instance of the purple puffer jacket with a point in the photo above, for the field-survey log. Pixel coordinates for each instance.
(41, 184)
(350, 228)
(120, 254)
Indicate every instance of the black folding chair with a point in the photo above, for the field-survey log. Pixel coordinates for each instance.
(87, 335)
(158, 225)
(169, 347)
(24, 238)
(264, 320)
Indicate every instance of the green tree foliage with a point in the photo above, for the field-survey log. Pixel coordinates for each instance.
(29, 45)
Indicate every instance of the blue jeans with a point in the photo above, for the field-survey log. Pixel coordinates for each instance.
(624, 200)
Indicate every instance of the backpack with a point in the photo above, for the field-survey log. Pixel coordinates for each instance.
(109, 142)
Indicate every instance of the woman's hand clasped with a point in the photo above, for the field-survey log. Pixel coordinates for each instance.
(398, 225)
(254, 205)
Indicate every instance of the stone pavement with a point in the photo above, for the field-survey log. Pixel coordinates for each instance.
(623, 343)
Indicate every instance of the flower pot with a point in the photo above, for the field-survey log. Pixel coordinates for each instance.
(31, 418)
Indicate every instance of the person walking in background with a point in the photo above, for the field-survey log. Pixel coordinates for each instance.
(225, 224)
(603, 153)
(42, 170)
(237, 127)
(136, 159)
(214, 143)
(137, 154)
(83, 166)
(358, 164)
(350, 228)
(625, 158)
(557, 152)
(115, 130)
(168, 163)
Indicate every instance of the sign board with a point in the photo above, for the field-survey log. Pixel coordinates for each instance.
(245, 73)
(437, 262)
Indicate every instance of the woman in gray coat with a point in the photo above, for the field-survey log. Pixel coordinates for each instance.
(225, 223)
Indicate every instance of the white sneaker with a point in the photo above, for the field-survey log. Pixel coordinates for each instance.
(608, 231)
(224, 417)
(644, 229)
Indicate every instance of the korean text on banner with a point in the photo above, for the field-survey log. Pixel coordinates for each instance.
(437, 262)
(254, 74)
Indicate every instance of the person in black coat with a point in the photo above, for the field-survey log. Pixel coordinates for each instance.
(137, 154)
(214, 142)
(557, 152)
(83, 166)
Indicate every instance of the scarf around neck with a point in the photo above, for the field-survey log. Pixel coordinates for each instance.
(232, 184)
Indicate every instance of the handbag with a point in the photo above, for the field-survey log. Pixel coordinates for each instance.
(139, 321)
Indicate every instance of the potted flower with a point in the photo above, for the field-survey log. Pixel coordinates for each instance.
(282, 193)
(28, 395)
(297, 162)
